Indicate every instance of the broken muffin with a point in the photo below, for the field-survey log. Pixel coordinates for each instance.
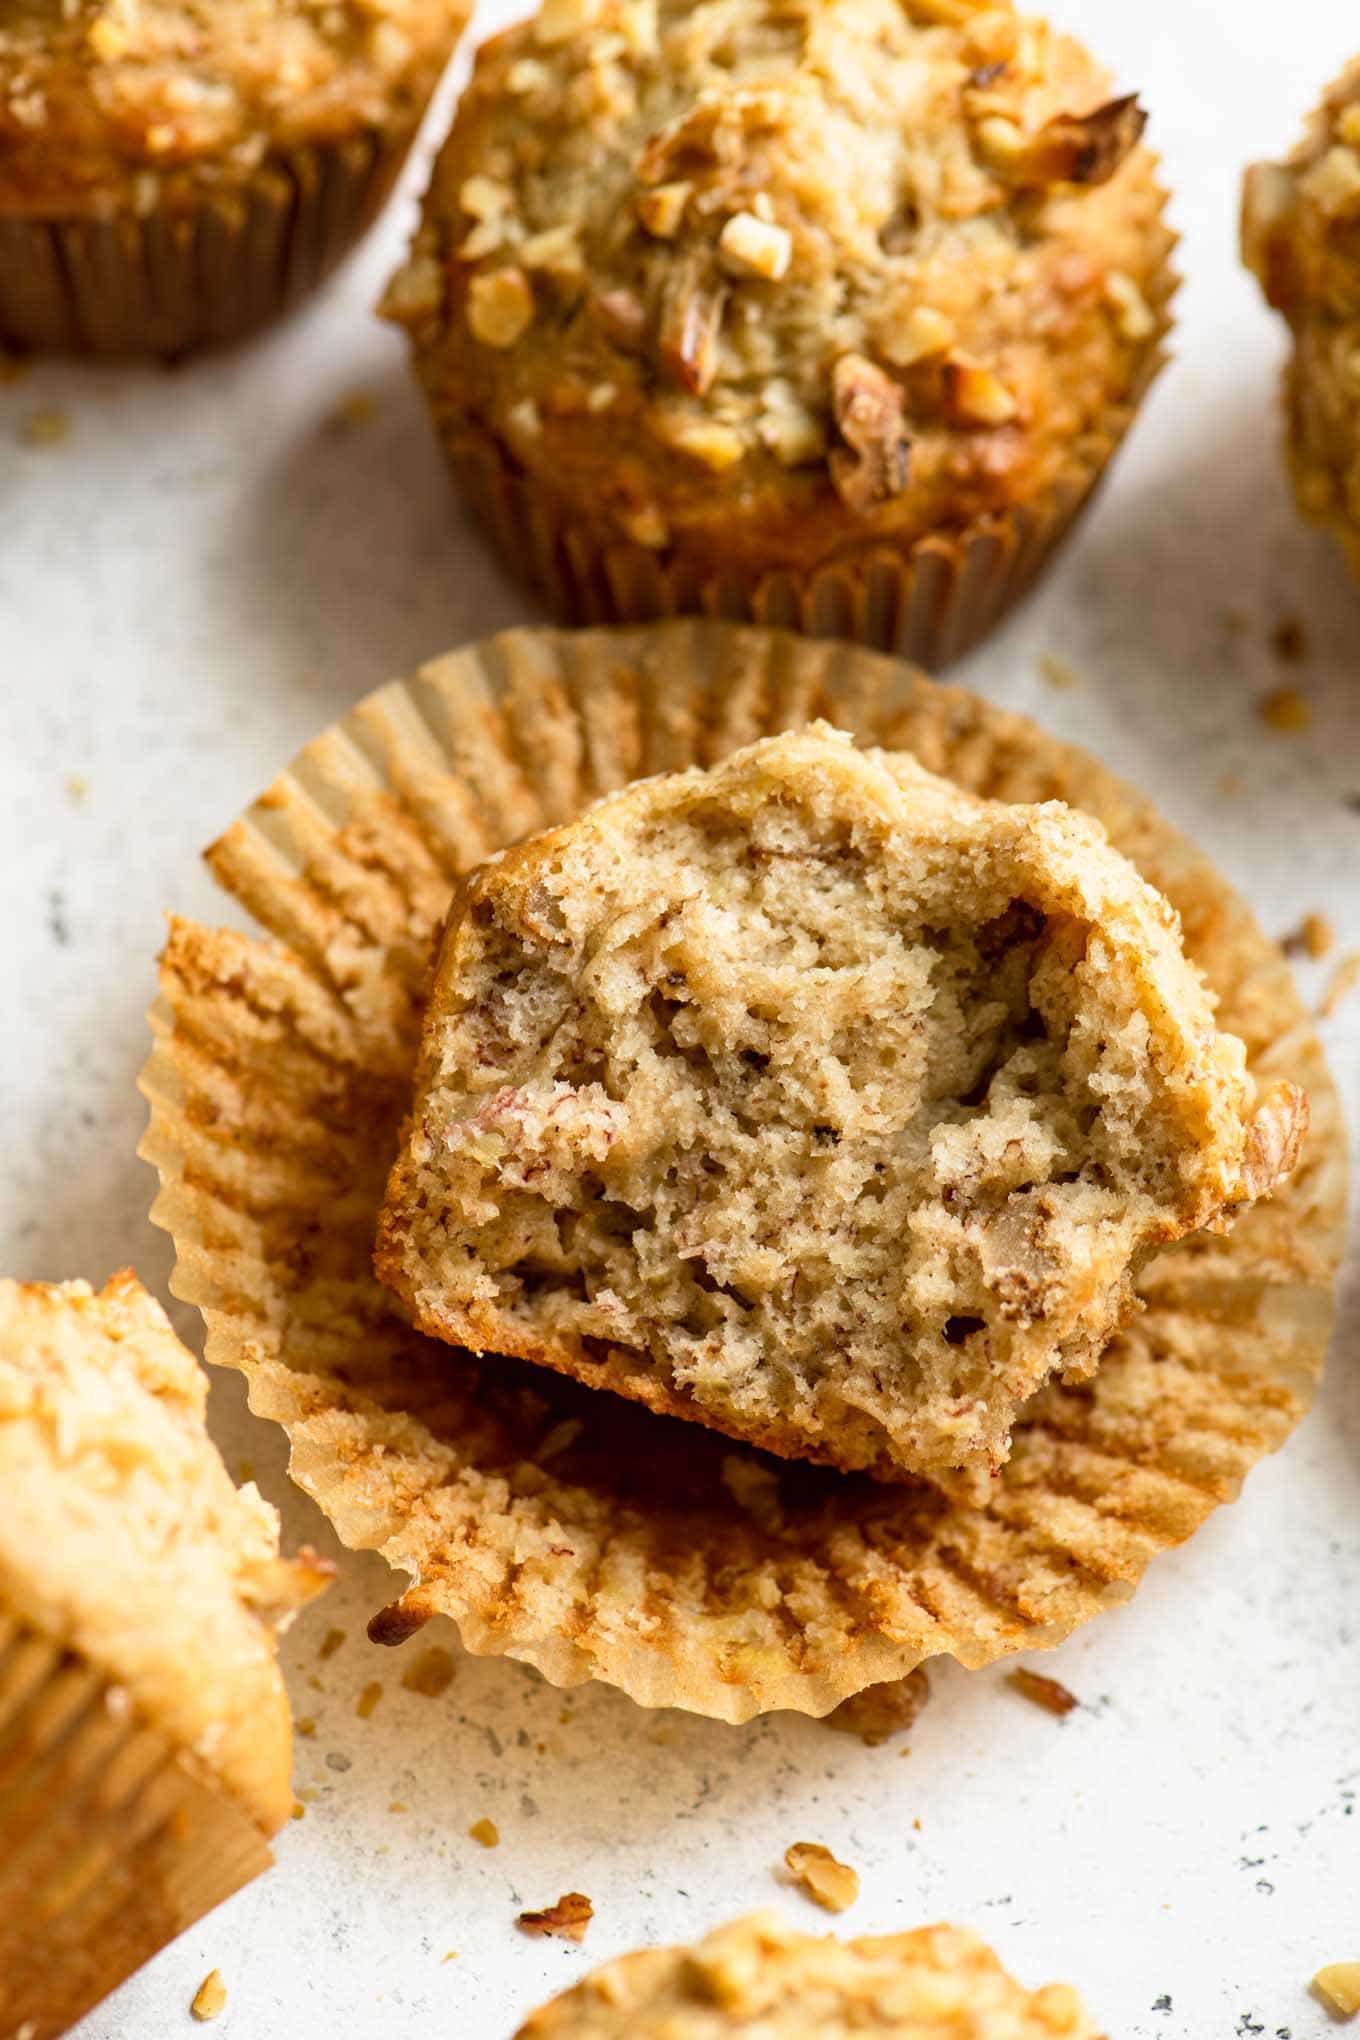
(817, 1101)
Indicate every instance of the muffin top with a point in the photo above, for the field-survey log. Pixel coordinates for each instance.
(123, 1537)
(95, 92)
(1301, 218)
(873, 265)
(755, 1976)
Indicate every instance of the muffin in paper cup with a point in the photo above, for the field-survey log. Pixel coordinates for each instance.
(826, 317)
(756, 1975)
(145, 1737)
(175, 176)
(1299, 239)
(563, 1526)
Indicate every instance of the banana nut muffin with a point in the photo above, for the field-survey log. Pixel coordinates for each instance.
(1301, 236)
(757, 1977)
(286, 119)
(741, 294)
(816, 1100)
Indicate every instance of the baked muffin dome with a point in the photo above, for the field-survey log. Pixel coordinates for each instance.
(1301, 237)
(741, 294)
(122, 120)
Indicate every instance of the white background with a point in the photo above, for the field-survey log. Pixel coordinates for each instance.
(204, 574)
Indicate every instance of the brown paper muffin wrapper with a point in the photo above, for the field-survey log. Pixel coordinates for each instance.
(930, 600)
(111, 1843)
(562, 1525)
(198, 273)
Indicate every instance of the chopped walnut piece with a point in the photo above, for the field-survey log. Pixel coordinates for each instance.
(1338, 1985)
(557, 250)
(829, 1883)
(1313, 937)
(486, 1832)
(1080, 148)
(922, 333)
(1274, 1141)
(500, 307)
(621, 315)
(1344, 980)
(717, 445)
(567, 1920)
(751, 246)
(786, 426)
(974, 396)
(868, 408)
(881, 1711)
(1133, 314)
(485, 198)
(210, 1999)
(1050, 1694)
(662, 209)
(691, 321)
(1285, 708)
(330, 1643)
(416, 291)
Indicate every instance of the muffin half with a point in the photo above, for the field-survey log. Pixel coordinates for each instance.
(826, 315)
(145, 1737)
(177, 172)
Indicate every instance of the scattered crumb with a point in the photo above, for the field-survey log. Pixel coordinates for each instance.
(486, 1832)
(77, 792)
(1229, 785)
(452, 1956)
(316, 1684)
(917, 1823)
(1344, 980)
(568, 1919)
(309, 1795)
(1285, 708)
(355, 409)
(336, 1760)
(331, 1642)
(882, 1711)
(397, 1806)
(45, 428)
(1058, 672)
(1313, 937)
(210, 1998)
(368, 1699)
(1049, 1694)
(431, 1673)
(1338, 1985)
(306, 1724)
(299, 1810)
(831, 1884)
(1289, 640)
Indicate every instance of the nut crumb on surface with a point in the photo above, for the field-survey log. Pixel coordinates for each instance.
(1289, 640)
(45, 428)
(1285, 708)
(210, 1998)
(1338, 1985)
(486, 1832)
(330, 1643)
(566, 1921)
(431, 1673)
(1313, 937)
(368, 1699)
(881, 1711)
(1050, 1694)
(355, 409)
(1057, 671)
(299, 1810)
(1344, 980)
(829, 1883)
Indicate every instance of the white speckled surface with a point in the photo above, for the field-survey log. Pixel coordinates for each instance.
(200, 577)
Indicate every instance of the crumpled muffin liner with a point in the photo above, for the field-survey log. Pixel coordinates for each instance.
(561, 1525)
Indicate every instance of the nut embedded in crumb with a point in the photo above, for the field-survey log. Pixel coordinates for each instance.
(1050, 1694)
(869, 410)
(500, 307)
(210, 1998)
(1344, 980)
(974, 396)
(566, 1921)
(431, 1674)
(1285, 708)
(754, 247)
(1338, 1985)
(486, 1832)
(1313, 938)
(831, 1884)
(879, 1712)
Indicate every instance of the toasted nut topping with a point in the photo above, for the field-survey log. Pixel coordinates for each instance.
(568, 1919)
(831, 1884)
(944, 13)
(691, 321)
(1085, 148)
(882, 1711)
(974, 395)
(705, 439)
(1050, 1694)
(922, 333)
(750, 246)
(662, 209)
(621, 315)
(1269, 195)
(1274, 1140)
(1134, 314)
(1339, 1984)
(415, 292)
(556, 249)
(485, 198)
(793, 435)
(1333, 183)
(868, 408)
(993, 37)
(500, 307)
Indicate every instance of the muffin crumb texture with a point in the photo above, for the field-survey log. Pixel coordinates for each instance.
(757, 1977)
(818, 1101)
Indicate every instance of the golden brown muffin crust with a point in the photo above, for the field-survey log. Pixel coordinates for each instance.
(757, 1977)
(123, 1536)
(97, 94)
(764, 280)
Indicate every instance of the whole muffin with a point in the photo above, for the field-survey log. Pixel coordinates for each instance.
(825, 313)
(1301, 236)
(174, 172)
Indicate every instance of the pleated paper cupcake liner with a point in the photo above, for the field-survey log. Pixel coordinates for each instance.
(198, 272)
(558, 1524)
(929, 600)
(111, 1843)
